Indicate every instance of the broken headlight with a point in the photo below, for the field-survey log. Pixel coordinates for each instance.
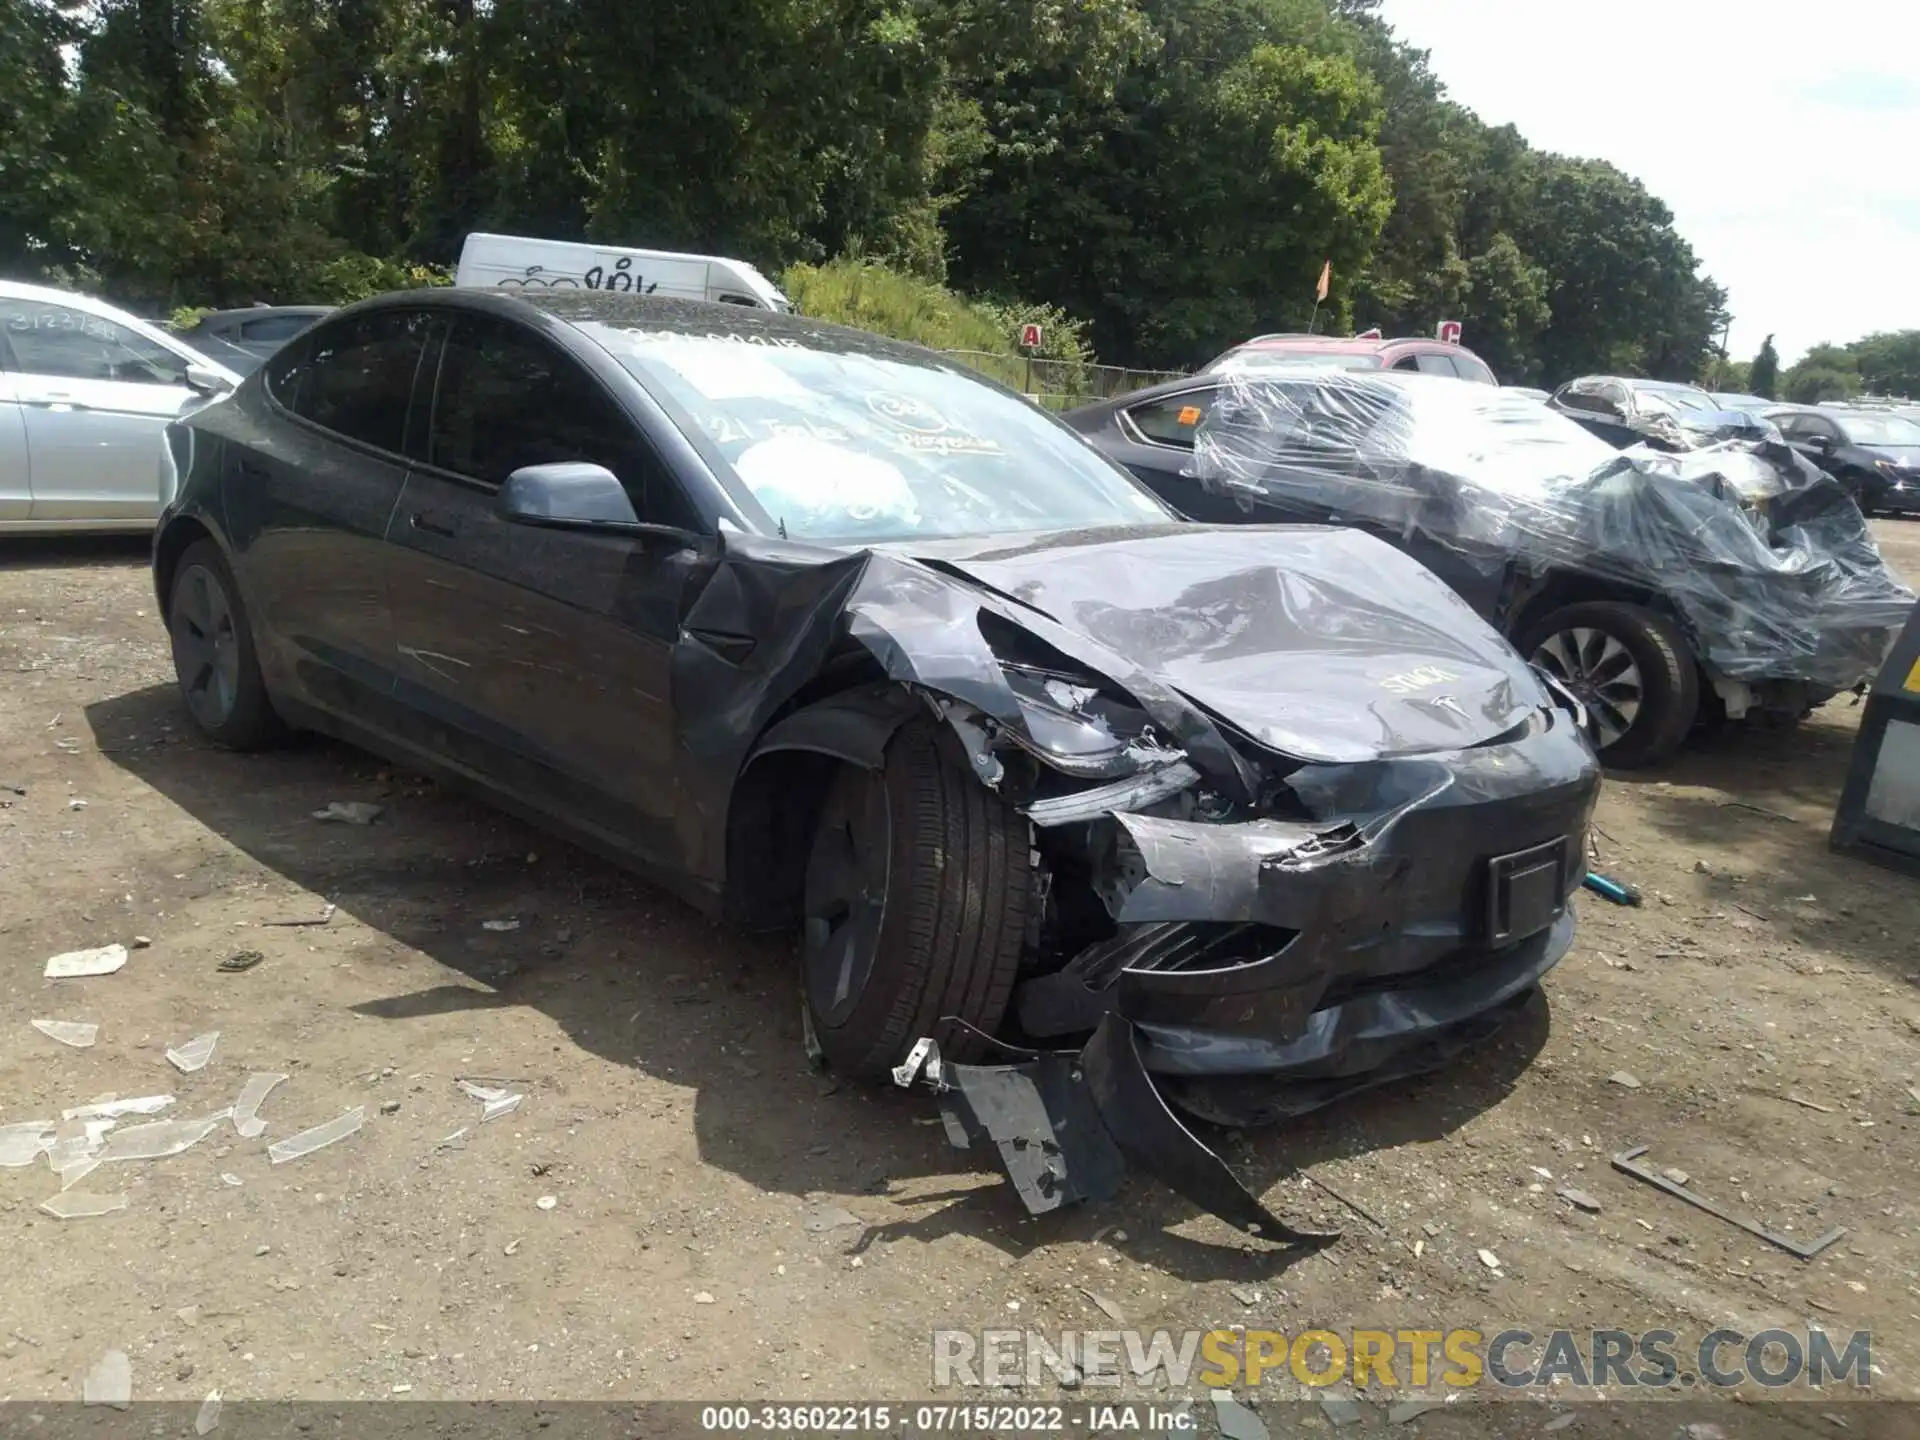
(1070, 728)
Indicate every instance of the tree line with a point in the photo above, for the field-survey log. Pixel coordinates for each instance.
(1171, 173)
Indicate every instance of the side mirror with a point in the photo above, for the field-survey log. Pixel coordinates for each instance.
(577, 495)
(204, 381)
(568, 494)
(1819, 442)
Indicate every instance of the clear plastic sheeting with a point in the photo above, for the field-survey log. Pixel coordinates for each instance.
(1766, 561)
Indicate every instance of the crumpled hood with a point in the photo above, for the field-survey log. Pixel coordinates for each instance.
(1321, 643)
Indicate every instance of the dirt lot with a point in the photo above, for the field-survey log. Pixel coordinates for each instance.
(691, 1248)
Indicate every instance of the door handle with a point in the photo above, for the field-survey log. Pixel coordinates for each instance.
(431, 527)
(51, 399)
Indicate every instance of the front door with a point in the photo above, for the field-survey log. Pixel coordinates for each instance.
(538, 659)
(94, 395)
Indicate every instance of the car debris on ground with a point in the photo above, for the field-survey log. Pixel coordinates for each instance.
(80, 964)
(350, 812)
(74, 1033)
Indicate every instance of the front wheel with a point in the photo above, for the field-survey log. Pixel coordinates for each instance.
(1630, 667)
(213, 653)
(918, 889)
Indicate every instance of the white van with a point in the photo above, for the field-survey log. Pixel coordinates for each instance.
(517, 262)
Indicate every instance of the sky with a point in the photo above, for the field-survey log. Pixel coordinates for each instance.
(1784, 138)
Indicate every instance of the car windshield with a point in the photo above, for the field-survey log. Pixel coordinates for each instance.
(850, 445)
(1893, 430)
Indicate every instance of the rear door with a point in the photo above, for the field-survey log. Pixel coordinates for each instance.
(537, 659)
(316, 474)
(94, 396)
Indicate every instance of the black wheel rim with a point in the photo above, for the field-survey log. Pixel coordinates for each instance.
(846, 894)
(206, 649)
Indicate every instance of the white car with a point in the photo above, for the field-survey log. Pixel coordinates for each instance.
(85, 392)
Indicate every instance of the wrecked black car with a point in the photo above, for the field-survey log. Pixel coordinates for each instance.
(1665, 415)
(1665, 591)
(1088, 815)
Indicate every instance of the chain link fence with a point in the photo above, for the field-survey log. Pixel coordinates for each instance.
(1059, 384)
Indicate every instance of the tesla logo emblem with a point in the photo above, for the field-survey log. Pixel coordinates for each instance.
(1447, 702)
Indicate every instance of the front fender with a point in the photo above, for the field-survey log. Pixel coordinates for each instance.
(853, 726)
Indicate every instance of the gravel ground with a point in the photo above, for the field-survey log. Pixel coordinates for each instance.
(678, 1208)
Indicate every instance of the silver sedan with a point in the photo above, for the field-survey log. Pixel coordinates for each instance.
(85, 392)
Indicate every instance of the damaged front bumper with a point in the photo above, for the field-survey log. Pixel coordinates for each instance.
(1261, 969)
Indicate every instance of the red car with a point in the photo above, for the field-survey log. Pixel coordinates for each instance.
(1435, 357)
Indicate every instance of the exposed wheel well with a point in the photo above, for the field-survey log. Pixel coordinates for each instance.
(167, 550)
(1563, 590)
(770, 822)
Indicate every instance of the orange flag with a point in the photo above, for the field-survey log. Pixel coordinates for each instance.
(1326, 279)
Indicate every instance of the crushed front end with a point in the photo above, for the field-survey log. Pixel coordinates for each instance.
(1242, 961)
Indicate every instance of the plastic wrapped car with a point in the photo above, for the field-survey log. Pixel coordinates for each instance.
(1659, 588)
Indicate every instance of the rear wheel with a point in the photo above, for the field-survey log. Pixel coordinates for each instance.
(1632, 670)
(213, 653)
(918, 889)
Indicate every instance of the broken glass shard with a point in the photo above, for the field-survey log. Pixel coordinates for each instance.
(195, 1053)
(160, 1139)
(109, 1382)
(79, 1205)
(74, 1141)
(209, 1415)
(497, 1099)
(77, 964)
(111, 1109)
(24, 1141)
(68, 1032)
(73, 1174)
(246, 1109)
(318, 1138)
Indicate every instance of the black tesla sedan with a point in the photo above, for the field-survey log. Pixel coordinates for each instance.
(822, 630)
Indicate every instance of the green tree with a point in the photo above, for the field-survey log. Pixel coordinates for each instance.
(1826, 372)
(1889, 362)
(1199, 203)
(1766, 370)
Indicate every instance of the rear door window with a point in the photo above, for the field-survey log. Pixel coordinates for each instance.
(275, 327)
(1433, 363)
(355, 377)
(1173, 419)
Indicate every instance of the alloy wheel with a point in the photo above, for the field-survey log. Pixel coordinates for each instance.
(206, 647)
(1603, 676)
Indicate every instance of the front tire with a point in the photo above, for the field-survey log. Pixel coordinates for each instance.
(918, 890)
(214, 658)
(1630, 667)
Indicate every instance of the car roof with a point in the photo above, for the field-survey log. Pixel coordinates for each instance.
(17, 290)
(658, 312)
(91, 305)
(1345, 344)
